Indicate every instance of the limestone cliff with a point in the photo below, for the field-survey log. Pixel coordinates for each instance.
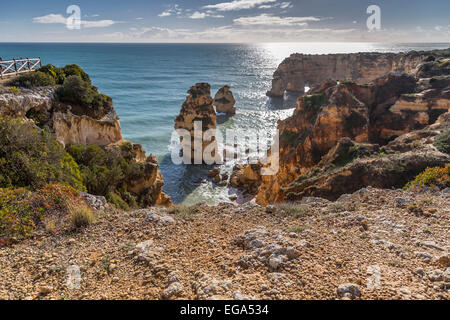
(299, 70)
(198, 109)
(350, 166)
(371, 114)
(72, 125)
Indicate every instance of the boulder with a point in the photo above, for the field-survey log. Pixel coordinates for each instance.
(224, 101)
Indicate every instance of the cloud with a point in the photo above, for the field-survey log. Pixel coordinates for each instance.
(203, 15)
(270, 20)
(59, 19)
(175, 9)
(165, 14)
(139, 18)
(50, 18)
(198, 15)
(238, 5)
(285, 5)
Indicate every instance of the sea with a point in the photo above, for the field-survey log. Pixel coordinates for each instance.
(149, 83)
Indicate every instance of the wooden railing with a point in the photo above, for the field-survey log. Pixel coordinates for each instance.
(18, 66)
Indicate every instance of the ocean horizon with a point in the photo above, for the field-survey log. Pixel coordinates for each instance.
(148, 83)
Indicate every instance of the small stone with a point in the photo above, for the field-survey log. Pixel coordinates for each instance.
(275, 262)
(444, 260)
(402, 202)
(292, 253)
(238, 296)
(270, 209)
(431, 244)
(405, 291)
(256, 243)
(172, 290)
(167, 220)
(348, 290)
(420, 272)
(436, 275)
(44, 290)
(233, 197)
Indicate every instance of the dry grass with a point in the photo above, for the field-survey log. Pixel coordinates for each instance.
(292, 210)
(81, 216)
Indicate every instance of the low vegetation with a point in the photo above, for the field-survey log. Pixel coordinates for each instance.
(432, 177)
(292, 210)
(56, 208)
(442, 142)
(32, 158)
(73, 86)
(107, 172)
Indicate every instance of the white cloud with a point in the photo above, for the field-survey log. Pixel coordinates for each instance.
(238, 5)
(50, 18)
(175, 9)
(285, 5)
(270, 20)
(58, 18)
(165, 14)
(97, 24)
(198, 15)
(139, 18)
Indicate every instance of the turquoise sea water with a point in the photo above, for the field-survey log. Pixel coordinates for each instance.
(148, 83)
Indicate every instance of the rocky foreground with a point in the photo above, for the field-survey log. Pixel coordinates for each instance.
(373, 244)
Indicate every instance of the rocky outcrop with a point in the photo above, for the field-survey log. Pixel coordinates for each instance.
(69, 127)
(371, 115)
(224, 101)
(76, 126)
(300, 70)
(197, 116)
(148, 187)
(349, 166)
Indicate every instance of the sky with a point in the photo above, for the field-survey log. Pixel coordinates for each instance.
(226, 21)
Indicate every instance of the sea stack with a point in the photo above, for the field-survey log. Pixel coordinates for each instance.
(224, 101)
(197, 117)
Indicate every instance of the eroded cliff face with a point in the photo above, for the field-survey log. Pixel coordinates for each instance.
(73, 126)
(148, 187)
(198, 109)
(350, 166)
(369, 116)
(69, 128)
(224, 101)
(302, 69)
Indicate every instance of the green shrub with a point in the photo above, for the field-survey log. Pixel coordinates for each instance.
(81, 93)
(442, 142)
(14, 90)
(56, 73)
(31, 158)
(75, 70)
(108, 171)
(32, 79)
(432, 177)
